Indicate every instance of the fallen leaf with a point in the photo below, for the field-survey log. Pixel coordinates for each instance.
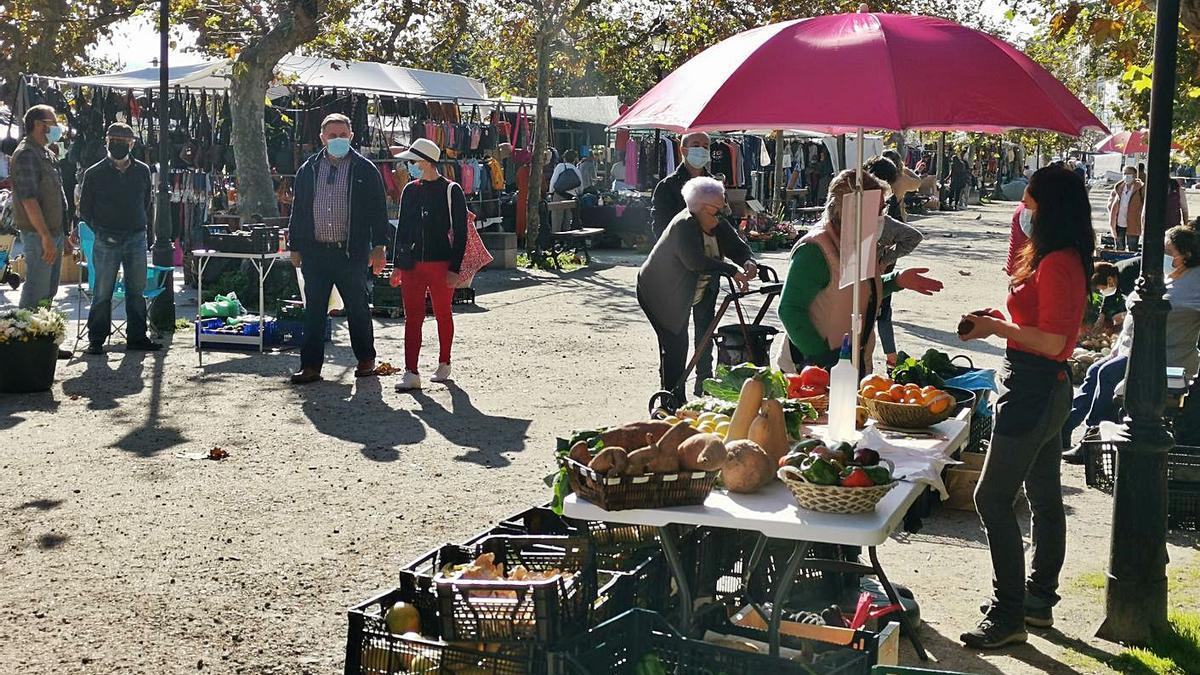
(964, 273)
(217, 453)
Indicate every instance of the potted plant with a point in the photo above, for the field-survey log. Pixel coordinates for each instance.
(29, 342)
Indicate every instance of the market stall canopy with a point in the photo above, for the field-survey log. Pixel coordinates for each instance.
(1129, 143)
(359, 76)
(872, 71)
(598, 110)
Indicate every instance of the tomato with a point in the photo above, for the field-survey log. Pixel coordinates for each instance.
(794, 382)
(815, 376)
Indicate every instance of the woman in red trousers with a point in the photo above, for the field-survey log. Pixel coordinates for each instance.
(430, 242)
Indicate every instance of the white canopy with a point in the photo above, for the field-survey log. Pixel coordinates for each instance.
(360, 76)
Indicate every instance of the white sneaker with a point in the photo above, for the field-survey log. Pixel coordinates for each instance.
(409, 382)
(442, 374)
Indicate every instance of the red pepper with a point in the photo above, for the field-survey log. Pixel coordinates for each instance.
(794, 382)
(857, 478)
(815, 376)
(809, 391)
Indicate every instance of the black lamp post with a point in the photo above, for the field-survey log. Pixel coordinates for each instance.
(1136, 593)
(162, 308)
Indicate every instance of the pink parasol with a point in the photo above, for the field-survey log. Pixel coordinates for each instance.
(843, 72)
(1129, 143)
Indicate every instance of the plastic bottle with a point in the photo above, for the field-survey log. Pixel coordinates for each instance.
(843, 390)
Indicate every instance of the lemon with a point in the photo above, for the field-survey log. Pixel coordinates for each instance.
(708, 416)
(722, 428)
(672, 420)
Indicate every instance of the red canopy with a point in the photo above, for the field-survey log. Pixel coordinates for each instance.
(843, 72)
(1129, 143)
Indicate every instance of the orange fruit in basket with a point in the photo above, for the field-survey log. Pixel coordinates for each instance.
(928, 396)
(885, 395)
(897, 392)
(939, 404)
(877, 381)
(926, 391)
(911, 389)
(912, 400)
(870, 391)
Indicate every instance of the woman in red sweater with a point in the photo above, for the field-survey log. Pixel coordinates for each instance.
(1047, 294)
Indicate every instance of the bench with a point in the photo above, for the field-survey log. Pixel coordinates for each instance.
(573, 240)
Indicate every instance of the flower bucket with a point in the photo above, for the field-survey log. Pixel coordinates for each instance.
(27, 366)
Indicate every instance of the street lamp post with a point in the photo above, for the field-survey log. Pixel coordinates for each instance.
(1136, 592)
(162, 307)
(661, 44)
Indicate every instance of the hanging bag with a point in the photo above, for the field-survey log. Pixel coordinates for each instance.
(475, 255)
(520, 133)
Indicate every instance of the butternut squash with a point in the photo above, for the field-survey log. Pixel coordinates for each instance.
(749, 401)
(777, 444)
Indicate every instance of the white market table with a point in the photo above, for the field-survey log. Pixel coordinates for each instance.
(263, 264)
(773, 513)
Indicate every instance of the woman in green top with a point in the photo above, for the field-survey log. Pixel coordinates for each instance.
(814, 311)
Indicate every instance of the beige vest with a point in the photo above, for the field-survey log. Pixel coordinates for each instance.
(830, 310)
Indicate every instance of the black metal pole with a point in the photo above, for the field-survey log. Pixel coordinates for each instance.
(1136, 593)
(162, 308)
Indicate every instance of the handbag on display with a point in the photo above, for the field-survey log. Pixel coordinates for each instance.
(521, 155)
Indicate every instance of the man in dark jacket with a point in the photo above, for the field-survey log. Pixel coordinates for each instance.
(668, 194)
(115, 201)
(338, 228)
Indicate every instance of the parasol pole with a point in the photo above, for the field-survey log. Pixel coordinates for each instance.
(856, 311)
(779, 203)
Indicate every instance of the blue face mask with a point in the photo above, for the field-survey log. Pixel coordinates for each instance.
(338, 147)
(414, 170)
(54, 134)
(1026, 219)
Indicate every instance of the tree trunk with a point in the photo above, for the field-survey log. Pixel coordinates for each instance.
(256, 189)
(251, 74)
(541, 141)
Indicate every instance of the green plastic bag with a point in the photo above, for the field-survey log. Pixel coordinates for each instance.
(224, 306)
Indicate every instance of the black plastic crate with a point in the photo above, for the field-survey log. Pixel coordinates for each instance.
(503, 611)
(1183, 478)
(618, 646)
(371, 649)
(647, 586)
(416, 578)
(618, 547)
(723, 556)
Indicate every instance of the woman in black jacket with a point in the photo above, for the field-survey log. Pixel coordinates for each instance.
(431, 240)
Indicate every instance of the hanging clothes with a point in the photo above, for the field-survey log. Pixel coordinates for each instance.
(668, 150)
(632, 162)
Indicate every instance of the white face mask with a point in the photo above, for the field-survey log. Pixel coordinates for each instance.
(1129, 179)
(698, 158)
(1026, 219)
(1168, 265)
(1108, 292)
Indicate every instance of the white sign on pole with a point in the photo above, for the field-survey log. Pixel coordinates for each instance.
(867, 236)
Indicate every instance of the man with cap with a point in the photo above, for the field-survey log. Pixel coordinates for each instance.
(115, 201)
(39, 206)
(338, 229)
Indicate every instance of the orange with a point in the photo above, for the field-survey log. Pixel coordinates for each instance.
(926, 391)
(870, 391)
(910, 389)
(877, 381)
(897, 391)
(939, 404)
(912, 400)
(926, 397)
(885, 395)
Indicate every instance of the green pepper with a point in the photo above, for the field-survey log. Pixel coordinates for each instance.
(819, 471)
(879, 475)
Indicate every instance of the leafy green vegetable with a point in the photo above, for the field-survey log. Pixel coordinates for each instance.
(562, 488)
(727, 385)
(912, 371)
(560, 481)
(710, 404)
(795, 414)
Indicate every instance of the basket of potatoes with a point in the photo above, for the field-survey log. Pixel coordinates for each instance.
(646, 465)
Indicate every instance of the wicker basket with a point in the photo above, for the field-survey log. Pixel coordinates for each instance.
(904, 415)
(652, 491)
(834, 498)
(819, 403)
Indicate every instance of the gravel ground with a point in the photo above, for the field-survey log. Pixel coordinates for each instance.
(119, 553)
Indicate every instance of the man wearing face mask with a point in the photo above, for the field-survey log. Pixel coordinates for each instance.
(39, 206)
(668, 194)
(337, 230)
(1125, 210)
(115, 202)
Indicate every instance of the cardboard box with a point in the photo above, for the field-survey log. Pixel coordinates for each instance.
(972, 460)
(70, 272)
(960, 483)
(883, 646)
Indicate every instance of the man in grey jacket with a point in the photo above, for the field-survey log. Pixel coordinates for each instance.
(681, 277)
